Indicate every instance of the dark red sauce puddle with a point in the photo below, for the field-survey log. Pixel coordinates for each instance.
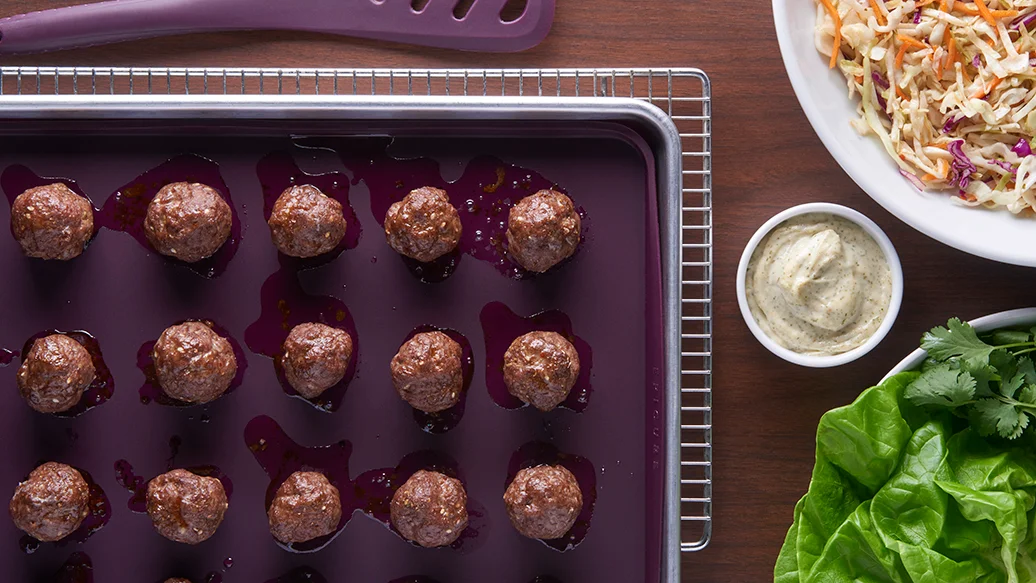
(483, 195)
(444, 421)
(414, 579)
(151, 391)
(17, 179)
(284, 305)
(371, 492)
(376, 487)
(501, 327)
(539, 453)
(280, 456)
(136, 485)
(125, 209)
(77, 569)
(6, 356)
(103, 386)
(100, 514)
(278, 171)
(300, 575)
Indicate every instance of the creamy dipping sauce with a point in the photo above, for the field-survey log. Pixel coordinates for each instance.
(818, 284)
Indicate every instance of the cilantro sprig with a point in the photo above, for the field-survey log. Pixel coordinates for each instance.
(990, 380)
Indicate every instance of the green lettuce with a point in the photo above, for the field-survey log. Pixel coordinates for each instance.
(906, 494)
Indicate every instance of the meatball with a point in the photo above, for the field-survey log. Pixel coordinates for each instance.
(430, 509)
(177, 580)
(543, 501)
(55, 374)
(188, 221)
(52, 222)
(424, 225)
(193, 363)
(306, 506)
(185, 507)
(427, 372)
(305, 222)
(540, 368)
(543, 230)
(52, 503)
(316, 358)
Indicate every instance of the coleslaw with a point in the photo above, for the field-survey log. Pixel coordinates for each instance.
(949, 87)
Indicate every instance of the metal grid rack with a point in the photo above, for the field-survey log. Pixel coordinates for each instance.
(684, 94)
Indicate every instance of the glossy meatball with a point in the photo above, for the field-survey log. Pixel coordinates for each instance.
(305, 222)
(185, 507)
(193, 363)
(315, 358)
(430, 509)
(177, 580)
(306, 506)
(543, 230)
(188, 221)
(55, 374)
(543, 501)
(424, 225)
(427, 372)
(52, 503)
(52, 222)
(540, 368)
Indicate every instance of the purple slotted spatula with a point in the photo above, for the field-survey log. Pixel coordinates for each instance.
(436, 24)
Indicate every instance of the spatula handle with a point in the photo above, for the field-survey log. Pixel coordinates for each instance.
(93, 24)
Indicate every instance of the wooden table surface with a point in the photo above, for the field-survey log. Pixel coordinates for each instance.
(766, 158)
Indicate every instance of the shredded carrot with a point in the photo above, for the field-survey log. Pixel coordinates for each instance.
(928, 178)
(986, 91)
(837, 46)
(939, 146)
(984, 11)
(942, 168)
(951, 48)
(942, 5)
(877, 13)
(900, 93)
(911, 41)
(900, 55)
(924, 3)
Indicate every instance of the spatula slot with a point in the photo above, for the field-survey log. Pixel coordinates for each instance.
(462, 8)
(418, 5)
(513, 10)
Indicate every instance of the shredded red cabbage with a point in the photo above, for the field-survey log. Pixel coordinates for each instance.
(913, 179)
(951, 124)
(1004, 165)
(1024, 20)
(961, 168)
(976, 61)
(1022, 148)
(917, 16)
(880, 80)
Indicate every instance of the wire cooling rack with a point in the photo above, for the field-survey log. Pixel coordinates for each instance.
(684, 94)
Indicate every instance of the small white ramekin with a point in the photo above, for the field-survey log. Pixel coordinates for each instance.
(811, 360)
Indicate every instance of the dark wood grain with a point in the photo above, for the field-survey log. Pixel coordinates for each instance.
(767, 158)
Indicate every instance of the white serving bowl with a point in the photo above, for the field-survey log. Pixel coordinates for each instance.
(812, 360)
(1019, 317)
(997, 235)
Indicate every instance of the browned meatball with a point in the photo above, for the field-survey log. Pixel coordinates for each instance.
(316, 358)
(424, 225)
(52, 503)
(193, 363)
(52, 222)
(177, 580)
(540, 368)
(188, 221)
(305, 222)
(430, 509)
(543, 501)
(306, 506)
(543, 230)
(55, 373)
(427, 372)
(185, 507)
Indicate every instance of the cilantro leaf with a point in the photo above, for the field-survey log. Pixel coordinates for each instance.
(1009, 387)
(991, 416)
(957, 339)
(1028, 395)
(942, 386)
(1001, 337)
(1026, 367)
(983, 375)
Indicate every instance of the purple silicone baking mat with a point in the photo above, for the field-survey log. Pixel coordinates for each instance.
(606, 299)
